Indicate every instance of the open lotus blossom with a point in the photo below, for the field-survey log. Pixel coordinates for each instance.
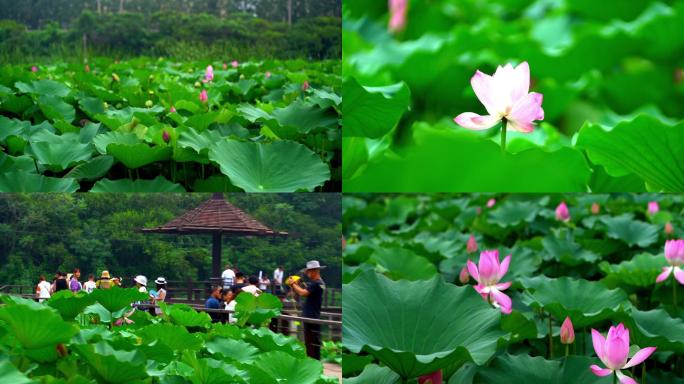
(595, 208)
(235, 64)
(562, 213)
(398, 10)
(209, 74)
(491, 203)
(431, 378)
(34, 69)
(613, 350)
(567, 332)
(464, 277)
(653, 207)
(487, 273)
(506, 97)
(669, 229)
(203, 96)
(471, 245)
(674, 253)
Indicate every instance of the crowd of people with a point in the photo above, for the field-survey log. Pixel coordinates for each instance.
(72, 281)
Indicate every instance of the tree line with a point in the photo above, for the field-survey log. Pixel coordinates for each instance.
(45, 233)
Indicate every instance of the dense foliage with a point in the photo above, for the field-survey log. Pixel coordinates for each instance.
(159, 126)
(76, 339)
(43, 233)
(411, 309)
(610, 72)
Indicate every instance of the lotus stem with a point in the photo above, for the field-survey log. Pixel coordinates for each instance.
(674, 291)
(567, 350)
(503, 135)
(130, 174)
(137, 173)
(643, 373)
(614, 377)
(550, 339)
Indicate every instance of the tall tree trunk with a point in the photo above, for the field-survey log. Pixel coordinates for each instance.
(99, 7)
(121, 6)
(289, 13)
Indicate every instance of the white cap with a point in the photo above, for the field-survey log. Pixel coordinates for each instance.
(140, 279)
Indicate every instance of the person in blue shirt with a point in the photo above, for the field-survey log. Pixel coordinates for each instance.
(214, 301)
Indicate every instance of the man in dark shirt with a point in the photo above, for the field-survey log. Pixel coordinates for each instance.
(214, 302)
(312, 306)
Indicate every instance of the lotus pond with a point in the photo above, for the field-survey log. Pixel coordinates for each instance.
(76, 339)
(607, 78)
(149, 125)
(513, 288)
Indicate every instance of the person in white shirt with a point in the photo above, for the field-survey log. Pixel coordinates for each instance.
(43, 290)
(265, 283)
(89, 286)
(278, 280)
(228, 277)
(252, 286)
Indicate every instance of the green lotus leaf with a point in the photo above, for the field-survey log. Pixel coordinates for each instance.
(398, 263)
(103, 140)
(585, 302)
(209, 371)
(229, 331)
(640, 271)
(277, 367)
(69, 304)
(175, 337)
(115, 298)
(111, 365)
(656, 328)
(645, 146)
(22, 181)
(159, 184)
(303, 118)
(354, 364)
(258, 167)
(10, 374)
(524, 369)
(93, 169)
(267, 340)
(372, 111)
(92, 106)
(257, 310)
(236, 350)
(138, 155)
(561, 246)
(631, 231)
(54, 108)
(185, 315)
(415, 334)
(36, 327)
(58, 156)
(200, 142)
(511, 213)
(325, 99)
(44, 87)
(201, 121)
(376, 374)
(253, 114)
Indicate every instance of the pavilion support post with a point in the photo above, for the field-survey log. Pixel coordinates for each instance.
(216, 255)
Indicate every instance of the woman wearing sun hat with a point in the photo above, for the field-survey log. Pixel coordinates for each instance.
(158, 295)
(104, 282)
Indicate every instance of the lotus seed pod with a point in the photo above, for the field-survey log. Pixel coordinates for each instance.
(149, 103)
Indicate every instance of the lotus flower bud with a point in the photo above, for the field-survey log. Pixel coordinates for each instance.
(653, 208)
(235, 64)
(398, 10)
(209, 74)
(567, 332)
(432, 378)
(562, 213)
(87, 68)
(464, 277)
(203, 96)
(268, 74)
(34, 69)
(225, 66)
(595, 208)
(166, 137)
(478, 210)
(149, 103)
(197, 84)
(61, 350)
(669, 229)
(115, 77)
(471, 245)
(491, 202)
(105, 105)
(173, 109)
(305, 86)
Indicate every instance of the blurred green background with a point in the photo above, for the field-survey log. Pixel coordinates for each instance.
(605, 62)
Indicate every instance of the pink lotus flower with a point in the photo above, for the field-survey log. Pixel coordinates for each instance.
(464, 277)
(674, 253)
(203, 96)
(268, 75)
(305, 85)
(34, 69)
(505, 95)
(431, 378)
(567, 332)
(173, 109)
(471, 245)
(653, 207)
(595, 208)
(669, 229)
(491, 202)
(166, 137)
(487, 273)
(562, 213)
(209, 74)
(235, 64)
(398, 10)
(614, 351)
